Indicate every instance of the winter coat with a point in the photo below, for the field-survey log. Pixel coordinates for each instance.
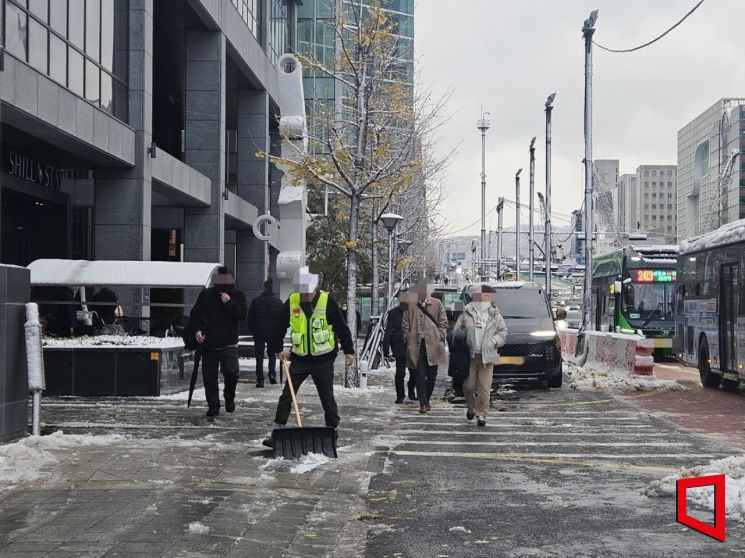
(495, 333)
(264, 315)
(217, 320)
(394, 340)
(416, 325)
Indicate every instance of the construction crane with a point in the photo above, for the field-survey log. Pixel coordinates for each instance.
(723, 180)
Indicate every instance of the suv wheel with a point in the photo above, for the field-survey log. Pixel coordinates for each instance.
(708, 378)
(555, 381)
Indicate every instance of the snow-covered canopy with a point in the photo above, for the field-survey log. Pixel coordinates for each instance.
(726, 234)
(101, 273)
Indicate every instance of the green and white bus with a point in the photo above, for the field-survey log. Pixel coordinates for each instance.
(645, 302)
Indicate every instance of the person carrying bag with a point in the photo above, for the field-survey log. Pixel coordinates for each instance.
(483, 328)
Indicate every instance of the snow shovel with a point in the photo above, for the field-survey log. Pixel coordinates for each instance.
(292, 443)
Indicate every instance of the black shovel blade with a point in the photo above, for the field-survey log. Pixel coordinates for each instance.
(292, 443)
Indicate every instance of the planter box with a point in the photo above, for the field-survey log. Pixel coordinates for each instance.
(110, 371)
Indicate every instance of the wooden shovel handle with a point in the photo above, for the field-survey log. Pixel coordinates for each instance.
(288, 379)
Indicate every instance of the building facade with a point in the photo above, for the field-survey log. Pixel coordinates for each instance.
(656, 205)
(131, 129)
(711, 183)
(625, 201)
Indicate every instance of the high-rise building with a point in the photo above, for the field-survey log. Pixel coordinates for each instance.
(625, 199)
(710, 181)
(656, 209)
(130, 129)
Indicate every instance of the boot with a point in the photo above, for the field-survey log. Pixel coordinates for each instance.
(423, 408)
(272, 378)
(412, 393)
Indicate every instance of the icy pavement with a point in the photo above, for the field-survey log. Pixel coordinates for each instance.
(592, 379)
(149, 477)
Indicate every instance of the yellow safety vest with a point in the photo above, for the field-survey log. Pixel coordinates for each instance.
(319, 338)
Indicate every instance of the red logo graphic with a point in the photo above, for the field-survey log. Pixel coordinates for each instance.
(716, 531)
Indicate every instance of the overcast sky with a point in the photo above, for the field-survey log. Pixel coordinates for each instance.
(508, 55)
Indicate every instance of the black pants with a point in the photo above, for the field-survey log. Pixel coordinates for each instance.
(323, 378)
(401, 376)
(261, 347)
(226, 359)
(458, 386)
(425, 377)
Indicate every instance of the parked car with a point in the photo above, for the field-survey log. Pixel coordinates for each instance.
(533, 350)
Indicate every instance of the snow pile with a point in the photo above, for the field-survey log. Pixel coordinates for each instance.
(25, 460)
(460, 529)
(309, 462)
(726, 234)
(359, 392)
(734, 469)
(197, 528)
(592, 379)
(133, 341)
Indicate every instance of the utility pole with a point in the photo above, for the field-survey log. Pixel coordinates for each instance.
(588, 30)
(517, 224)
(547, 231)
(483, 124)
(500, 207)
(531, 230)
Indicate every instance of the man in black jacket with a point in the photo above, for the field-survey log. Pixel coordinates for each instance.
(263, 315)
(215, 318)
(314, 348)
(394, 340)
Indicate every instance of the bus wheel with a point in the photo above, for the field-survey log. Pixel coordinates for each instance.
(708, 378)
(730, 385)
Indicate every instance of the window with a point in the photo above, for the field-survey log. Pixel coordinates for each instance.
(654, 184)
(654, 194)
(40, 9)
(670, 196)
(654, 206)
(646, 184)
(646, 173)
(58, 16)
(76, 23)
(16, 28)
(91, 82)
(669, 184)
(37, 45)
(57, 60)
(107, 34)
(654, 173)
(93, 30)
(75, 79)
(646, 195)
(646, 206)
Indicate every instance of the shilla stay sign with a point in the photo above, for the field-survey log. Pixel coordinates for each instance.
(716, 531)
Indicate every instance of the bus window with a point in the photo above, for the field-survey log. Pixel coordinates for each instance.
(628, 297)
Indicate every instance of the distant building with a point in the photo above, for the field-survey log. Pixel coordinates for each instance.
(656, 201)
(626, 199)
(704, 149)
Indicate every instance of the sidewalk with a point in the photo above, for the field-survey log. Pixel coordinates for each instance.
(149, 477)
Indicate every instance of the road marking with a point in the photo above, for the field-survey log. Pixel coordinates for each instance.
(507, 456)
(506, 416)
(541, 444)
(473, 432)
(554, 424)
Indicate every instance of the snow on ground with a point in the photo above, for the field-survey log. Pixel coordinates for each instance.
(733, 467)
(309, 462)
(199, 395)
(197, 528)
(591, 379)
(24, 460)
(359, 392)
(133, 341)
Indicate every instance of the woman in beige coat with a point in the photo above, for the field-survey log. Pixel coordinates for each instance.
(485, 331)
(425, 326)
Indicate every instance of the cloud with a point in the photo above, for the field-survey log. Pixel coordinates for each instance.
(508, 55)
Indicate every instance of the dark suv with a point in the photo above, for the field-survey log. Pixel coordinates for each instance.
(532, 351)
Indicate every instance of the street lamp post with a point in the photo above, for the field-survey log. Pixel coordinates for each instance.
(390, 221)
(500, 207)
(473, 260)
(588, 30)
(531, 230)
(547, 231)
(483, 124)
(517, 224)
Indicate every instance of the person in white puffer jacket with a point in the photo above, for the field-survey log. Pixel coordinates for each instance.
(485, 331)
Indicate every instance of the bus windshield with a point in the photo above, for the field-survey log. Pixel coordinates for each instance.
(641, 300)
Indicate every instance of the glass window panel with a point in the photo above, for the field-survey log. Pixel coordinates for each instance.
(75, 31)
(107, 34)
(92, 28)
(91, 81)
(107, 100)
(57, 59)
(75, 81)
(16, 28)
(40, 8)
(58, 16)
(37, 45)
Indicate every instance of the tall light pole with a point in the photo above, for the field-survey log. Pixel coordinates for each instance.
(588, 30)
(500, 207)
(483, 124)
(390, 222)
(531, 231)
(517, 224)
(547, 231)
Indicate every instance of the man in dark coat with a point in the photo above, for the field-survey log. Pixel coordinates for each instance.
(106, 312)
(215, 318)
(394, 341)
(263, 315)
